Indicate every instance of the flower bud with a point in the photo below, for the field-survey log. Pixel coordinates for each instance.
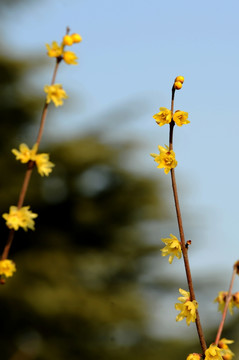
(236, 298)
(178, 85)
(67, 40)
(180, 79)
(76, 38)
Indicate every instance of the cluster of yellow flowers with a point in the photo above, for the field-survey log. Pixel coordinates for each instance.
(55, 92)
(220, 352)
(165, 117)
(166, 158)
(58, 51)
(221, 299)
(22, 216)
(44, 166)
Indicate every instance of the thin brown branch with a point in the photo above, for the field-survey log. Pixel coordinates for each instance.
(30, 167)
(224, 314)
(181, 232)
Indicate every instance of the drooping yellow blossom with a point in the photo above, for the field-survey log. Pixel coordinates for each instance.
(221, 299)
(54, 50)
(44, 166)
(226, 353)
(194, 356)
(25, 154)
(213, 353)
(7, 267)
(22, 217)
(187, 308)
(70, 58)
(165, 159)
(180, 118)
(163, 117)
(55, 93)
(172, 248)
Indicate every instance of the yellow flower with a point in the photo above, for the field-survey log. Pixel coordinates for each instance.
(163, 117)
(70, 57)
(221, 299)
(165, 159)
(54, 50)
(226, 353)
(7, 267)
(55, 93)
(44, 166)
(213, 353)
(22, 217)
(25, 154)
(194, 356)
(76, 38)
(187, 308)
(180, 118)
(172, 248)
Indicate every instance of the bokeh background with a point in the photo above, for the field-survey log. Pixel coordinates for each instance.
(91, 282)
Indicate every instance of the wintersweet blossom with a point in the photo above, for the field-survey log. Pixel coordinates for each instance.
(55, 93)
(7, 267)
(213, 353)
(70, 58)
(44, 166)
(22, 217)
(165, 159)
(194, 356)
(221, 299)
(54, 50)
(226, 353)
(180, 118)
(163, 117)
(172, 248)
(25, 154)
(187, 307)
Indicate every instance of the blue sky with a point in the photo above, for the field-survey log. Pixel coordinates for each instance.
(130, 54)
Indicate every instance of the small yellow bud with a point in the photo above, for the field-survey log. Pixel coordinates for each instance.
(67, 40)
(227, 357)
(180, 78)
(76, 38)
(177, 85)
